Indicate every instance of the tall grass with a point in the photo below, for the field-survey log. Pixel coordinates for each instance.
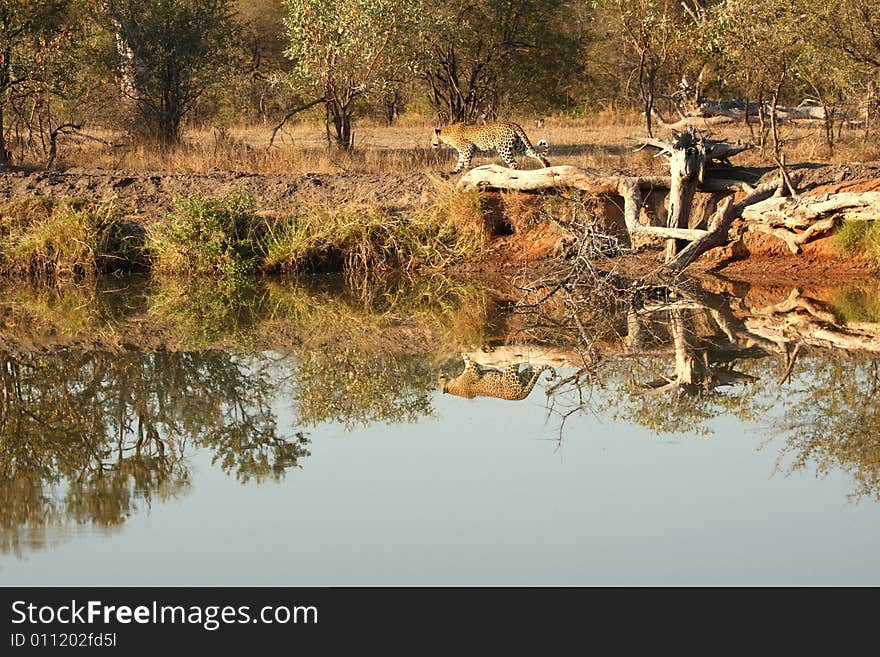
(361, 237)
(859, 239)
(224, 236)
(65, 239)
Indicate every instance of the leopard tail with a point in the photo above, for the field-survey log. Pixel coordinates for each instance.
(531, 384)
(530, 150)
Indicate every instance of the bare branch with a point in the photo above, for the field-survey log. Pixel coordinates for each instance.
(290, 114)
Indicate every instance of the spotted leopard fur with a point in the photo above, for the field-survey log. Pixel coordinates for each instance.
(509, 383)
(505, 137)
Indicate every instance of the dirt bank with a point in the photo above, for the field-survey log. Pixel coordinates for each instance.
(144, 197)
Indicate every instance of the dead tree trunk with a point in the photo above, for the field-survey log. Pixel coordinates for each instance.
(688, 156)
(687, 162)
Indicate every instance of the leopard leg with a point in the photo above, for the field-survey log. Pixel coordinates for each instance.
(511, 372)
(507, 155)
(467, 155)
(543, 160)
(460, 164)
(531, 152)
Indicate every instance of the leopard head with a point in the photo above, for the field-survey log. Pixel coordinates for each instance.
(435, 138)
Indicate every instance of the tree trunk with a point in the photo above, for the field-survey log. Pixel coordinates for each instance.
(687, 161)
(5, 155)
(340, 116)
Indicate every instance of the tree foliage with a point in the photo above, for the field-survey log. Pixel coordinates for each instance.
(169, 53)
(38, 49)
(347, 51)
(184, 62)
(486, 56)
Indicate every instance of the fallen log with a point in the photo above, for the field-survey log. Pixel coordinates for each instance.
(803, 210)
(496, 177)
(532, 354)
(711, 114)
(796, 221)
(493, 176)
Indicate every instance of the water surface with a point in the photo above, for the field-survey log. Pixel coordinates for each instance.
(297, 436)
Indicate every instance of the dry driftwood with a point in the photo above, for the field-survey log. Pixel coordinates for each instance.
(796, 221)
(719, 227)
(689, 154)
(711, 114)
(800, 212)
(493, 176)
(496, 177)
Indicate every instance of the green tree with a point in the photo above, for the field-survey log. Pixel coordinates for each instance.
(345, 52)
(485, 56)
(169, 54)
(761, 51)
(252, 95)
(648, 31)
(848, 38)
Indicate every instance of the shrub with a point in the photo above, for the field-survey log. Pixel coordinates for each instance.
(859, 239)
(214, 236)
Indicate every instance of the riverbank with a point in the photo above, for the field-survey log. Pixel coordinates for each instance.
(517, 235)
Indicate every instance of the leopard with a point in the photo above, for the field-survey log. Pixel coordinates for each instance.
(477, 380)
(506, 137)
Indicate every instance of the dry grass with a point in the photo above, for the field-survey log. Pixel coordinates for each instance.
(363, 237)
(64, 239)
(601, 142)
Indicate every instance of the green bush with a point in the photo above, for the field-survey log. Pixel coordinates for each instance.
(859, 239)
(215, 236)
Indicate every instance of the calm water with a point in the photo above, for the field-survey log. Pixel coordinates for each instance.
(332, 458)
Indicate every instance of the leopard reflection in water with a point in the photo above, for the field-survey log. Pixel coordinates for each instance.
(478, 380)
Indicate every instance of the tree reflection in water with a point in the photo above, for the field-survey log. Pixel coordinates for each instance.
(797, 367)
(87, 437)
(359, 388)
